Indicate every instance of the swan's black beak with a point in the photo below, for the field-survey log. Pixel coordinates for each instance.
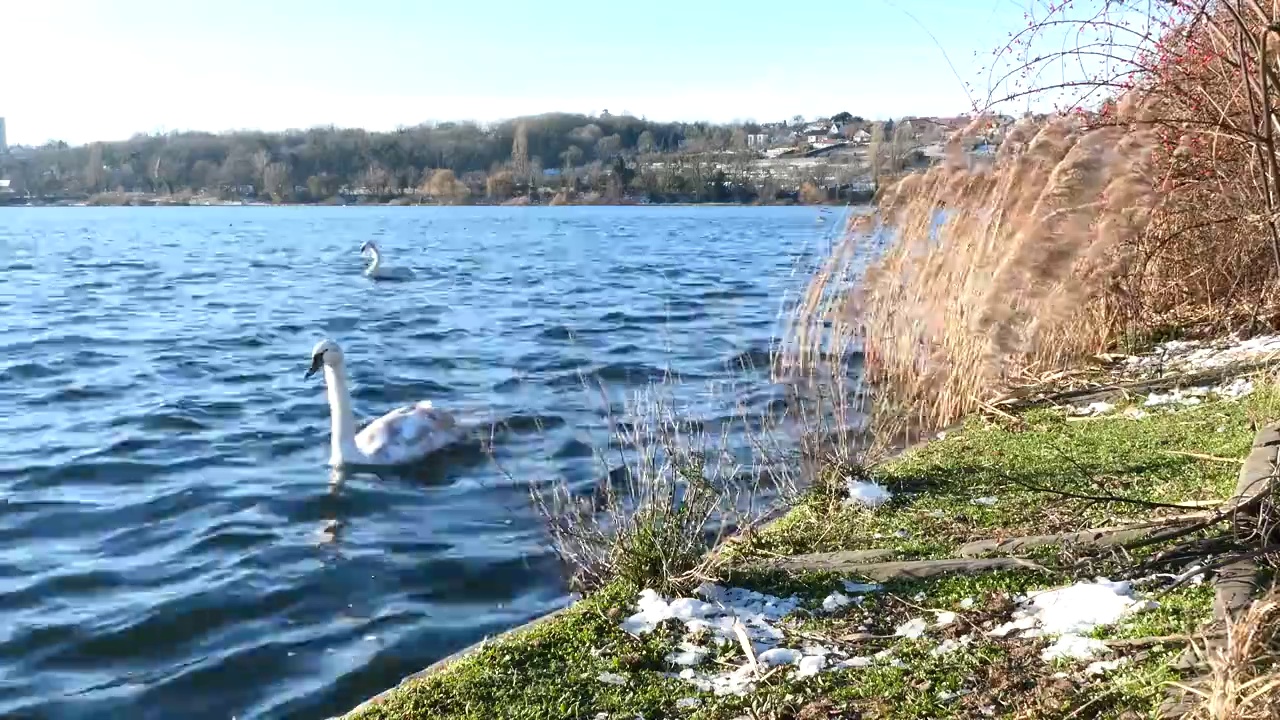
(317, 362)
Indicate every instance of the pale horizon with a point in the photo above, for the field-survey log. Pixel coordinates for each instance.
(142, 66)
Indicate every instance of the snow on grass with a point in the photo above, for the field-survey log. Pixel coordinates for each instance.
(912, 629)
(866, 492)
(1070, 613)
(726, 617)
(718, 611)
(1073, 647)
(1190, 396)
(1176, 397)
(1094, 409)
(1194, 355)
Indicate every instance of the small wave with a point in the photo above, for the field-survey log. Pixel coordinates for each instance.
(400, 391)
(626, 373)
(23, 371)
(521, 423)
(556, 333)
(759, 358)
(630, 318)
(573, 448)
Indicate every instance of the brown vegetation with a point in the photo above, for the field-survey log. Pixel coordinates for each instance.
(1090, 229)
(1243, 683)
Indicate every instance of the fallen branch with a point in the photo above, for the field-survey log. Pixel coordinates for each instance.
(1095, 538)
(902, 569)
(1202, 456)
(1142, 642)
(1103, 392)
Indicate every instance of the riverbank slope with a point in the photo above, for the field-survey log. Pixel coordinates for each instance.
(1036, 562)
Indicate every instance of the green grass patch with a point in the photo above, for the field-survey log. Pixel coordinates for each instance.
(977, 482)
(555, 670)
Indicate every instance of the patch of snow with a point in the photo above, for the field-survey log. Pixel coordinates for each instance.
(1237, 388)
(1073, 647)
(949, 645)
(966, 603)
(1023, 623)
(837, 600)
(912, 629)
(1100, 667)
(1135, 413)
(718, 611)
(1094, 409)
(1070, 612)
(1083, 606)
(868, 493)
(1173, 397)
(988, 500)
(779, 656)
(1189, 356)
(611, 678)
(945, 618)
(688, 655)
(810, 665)
(687, 703)
(854, 662)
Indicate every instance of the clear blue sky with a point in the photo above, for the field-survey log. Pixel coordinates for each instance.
(82, 70)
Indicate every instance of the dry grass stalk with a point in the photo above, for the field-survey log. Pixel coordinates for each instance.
(1244, 679)
(672, 490)
(1207, 72)
(992, 271)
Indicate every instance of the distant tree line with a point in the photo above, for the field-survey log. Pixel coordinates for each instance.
(608, 155)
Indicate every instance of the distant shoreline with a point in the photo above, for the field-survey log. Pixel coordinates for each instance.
(169, 203)
(183, 200)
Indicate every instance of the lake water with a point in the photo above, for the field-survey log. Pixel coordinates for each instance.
(171, 542)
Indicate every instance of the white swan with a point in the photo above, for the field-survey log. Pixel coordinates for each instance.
(377, 270)
(402, 436)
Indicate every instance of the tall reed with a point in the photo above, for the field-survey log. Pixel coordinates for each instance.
(992, 270)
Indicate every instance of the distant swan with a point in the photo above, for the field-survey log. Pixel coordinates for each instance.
(377, 270)
(400, 437)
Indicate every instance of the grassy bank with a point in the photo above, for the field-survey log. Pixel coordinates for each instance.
(909, 648)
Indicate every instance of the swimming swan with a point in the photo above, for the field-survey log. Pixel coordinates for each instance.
(402, 436)
(377, 270)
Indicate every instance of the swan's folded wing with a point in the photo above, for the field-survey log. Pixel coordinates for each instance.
(408, 433)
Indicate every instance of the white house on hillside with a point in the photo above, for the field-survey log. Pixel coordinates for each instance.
(823, 131)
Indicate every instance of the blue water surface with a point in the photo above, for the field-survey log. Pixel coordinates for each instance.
(171, 543)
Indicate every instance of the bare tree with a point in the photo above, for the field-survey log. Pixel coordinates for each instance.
(608, 146)
(94, 174)
(275, 181)
(645, 144)
(875, 152)
(520, 152)
(899, 146)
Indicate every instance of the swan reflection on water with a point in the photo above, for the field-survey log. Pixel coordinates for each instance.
(442, 469)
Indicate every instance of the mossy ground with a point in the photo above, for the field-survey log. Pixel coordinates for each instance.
(553, 670)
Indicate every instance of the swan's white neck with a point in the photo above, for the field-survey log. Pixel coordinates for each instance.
(377, 261)
(342, 440)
